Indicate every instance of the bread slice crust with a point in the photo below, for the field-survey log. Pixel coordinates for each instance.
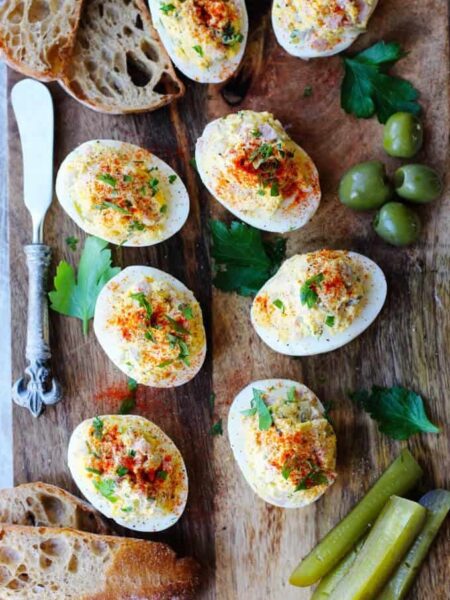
(44, 505)
(118, 63)
(73, 565)
(37, 36)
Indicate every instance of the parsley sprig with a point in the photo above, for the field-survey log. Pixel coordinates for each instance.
(308, 291)
(243, 260)
(258, 406)
(368, 88)
(399, 412)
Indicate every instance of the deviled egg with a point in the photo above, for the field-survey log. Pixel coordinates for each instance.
(313, 28)
(318, 302)
(205, 38)
(129, 470)
(151, 327)
(283, 444)
(122, 193)
(251, 166)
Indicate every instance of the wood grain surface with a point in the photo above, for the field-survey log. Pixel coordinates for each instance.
(247, 547)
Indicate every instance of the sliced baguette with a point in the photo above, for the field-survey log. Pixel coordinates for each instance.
(57, 564)
(118, 64)
(37, 36)
(43, 505)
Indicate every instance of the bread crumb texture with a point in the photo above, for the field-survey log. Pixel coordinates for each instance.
(57, 564)
(37, 36)
(118, 64)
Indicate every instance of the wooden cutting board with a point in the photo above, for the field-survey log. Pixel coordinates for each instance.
(247, 547)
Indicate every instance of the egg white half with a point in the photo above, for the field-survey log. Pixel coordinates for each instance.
(310, 345)
(110, 338)
(212, 65)
(214, 144)
(302, 48)
(177, 197)
(78, 456)
(279, 389)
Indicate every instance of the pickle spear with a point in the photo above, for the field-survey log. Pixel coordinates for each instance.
(390, 539)
(437, 503)
(331, 580)
(399, 478)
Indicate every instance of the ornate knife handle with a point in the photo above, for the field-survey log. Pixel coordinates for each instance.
(37, 388)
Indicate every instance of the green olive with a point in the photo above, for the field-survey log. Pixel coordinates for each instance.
(402, 135)
(397, 224)
(417, 183)
(365, 186)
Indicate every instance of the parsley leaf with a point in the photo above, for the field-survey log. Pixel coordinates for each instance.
(243, 261)
(97, 424)
(108, 179)
(106, 487)
(329, 321)
(121, 470)
(76, 296)
(308, 294)
(141, 299)
(72, 242)
(367, 87)
(198, 49)
(167, 8)
(127, 405)
(217, 428)
(279, 304)
(259, 406)
(398, 411)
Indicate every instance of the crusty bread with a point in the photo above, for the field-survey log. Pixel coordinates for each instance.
(118, 64)
(65, 564)
(44, 505)
(37, 36)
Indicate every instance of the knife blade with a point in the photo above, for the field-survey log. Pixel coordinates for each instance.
(33, 108)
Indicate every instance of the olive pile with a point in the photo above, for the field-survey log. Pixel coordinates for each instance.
(366, 187)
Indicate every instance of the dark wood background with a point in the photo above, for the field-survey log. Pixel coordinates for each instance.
(247, 547)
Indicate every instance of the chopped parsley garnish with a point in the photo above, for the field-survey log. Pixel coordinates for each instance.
(136, 226)
(274, 189)
(98, 424)
(230, 36)
(399, 412)
(308, 294)
(149, 335)
(256, 133)
(127, 509)
(121, 470)
(141, 299)
(258, 406)
(167, 8)
(106, 487)
(217, 428)
(212, 401)
(153, 184)
(368, 89)
(163, 209)
(198, 49)
(132, 453)
(75, 296)
(329, 321)
(172, 179)
(307, 91)
(127, 178)
(243, 261)
(263, 152)
(286, 471)
(161, 474)
(279, 304)
(177, 326)
(291, 394)
(106, 204)
(108, 179)
(186, 311)
(315, 476)
(165, 363)
(72, 242)
(91, 470)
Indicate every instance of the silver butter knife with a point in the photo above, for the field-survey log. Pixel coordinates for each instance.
(33, 108)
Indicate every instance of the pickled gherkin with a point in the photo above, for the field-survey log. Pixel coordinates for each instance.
(437, 504)
(390, 539)
(398, 479)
